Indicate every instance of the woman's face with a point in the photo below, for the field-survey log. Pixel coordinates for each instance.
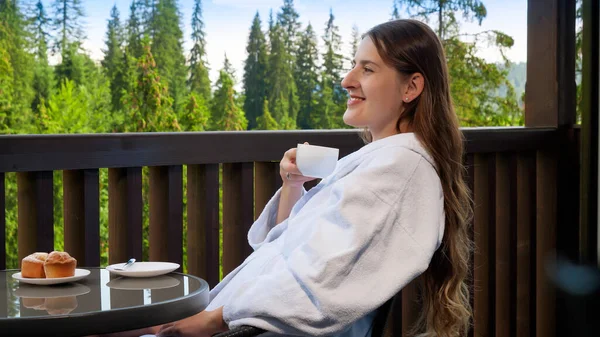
(375, 91)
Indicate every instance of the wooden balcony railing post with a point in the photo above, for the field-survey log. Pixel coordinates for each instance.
(590, 137)
(203, 222)
(546, 198)
(166, 214)
(266, 183)
(2, 223)
(238, 213)
(410, 307)
(526, 219)
(484, 196)
(36, 222)
(81, 201)
(506, 217)
(124, 214)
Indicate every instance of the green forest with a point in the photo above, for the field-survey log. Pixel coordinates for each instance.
(147, 82)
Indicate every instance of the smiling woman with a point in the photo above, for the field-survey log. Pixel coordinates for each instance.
(393, 211)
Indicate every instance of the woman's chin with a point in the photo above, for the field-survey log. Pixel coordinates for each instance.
(351, 119)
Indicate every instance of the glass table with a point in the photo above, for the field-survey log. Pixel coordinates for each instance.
(100, 303)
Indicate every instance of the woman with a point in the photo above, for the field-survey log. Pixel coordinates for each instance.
(326, 259)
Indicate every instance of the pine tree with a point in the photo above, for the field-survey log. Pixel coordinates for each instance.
(113, 57)
(129, 100)
(355, 41)
(19, 62)
(134, 33)
(282, 95)
(327, 116)
(395, 12)
(43, 78)
(290, 26)
(196, 115)
(255, 73)
(65, 112)
(226, 114)
(146, 12)
(331, 76)
(149, 106)
(475, 82)
(307, 77)
(67, 25)
(199, 82)
(265, 121)
(6, 82)
(167, 48)
(74, 66)
(228, 68)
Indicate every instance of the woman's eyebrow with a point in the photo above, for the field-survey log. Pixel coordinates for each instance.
(365, 62)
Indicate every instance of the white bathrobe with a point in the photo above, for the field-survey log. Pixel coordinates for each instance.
(349, 244)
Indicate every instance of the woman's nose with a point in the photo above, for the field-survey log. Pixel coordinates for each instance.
(349, 81)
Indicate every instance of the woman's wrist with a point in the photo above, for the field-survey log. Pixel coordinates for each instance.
(218, 322)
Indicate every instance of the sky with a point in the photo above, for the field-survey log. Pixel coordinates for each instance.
(227, 24)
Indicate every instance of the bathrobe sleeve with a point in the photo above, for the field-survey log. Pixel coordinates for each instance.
(261, 230)
(378, 231)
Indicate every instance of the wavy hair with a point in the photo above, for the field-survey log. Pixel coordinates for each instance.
(410, 47)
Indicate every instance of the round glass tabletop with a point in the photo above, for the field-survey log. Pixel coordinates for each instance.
(103, 300)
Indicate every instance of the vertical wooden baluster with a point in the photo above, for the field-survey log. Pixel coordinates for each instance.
(166, 214)
(410, 306)
(545, 242)
(35, 199)
(203, 222)
(2, 223)
(484, 220)
(125, 214)
(265, 184)
(525, 229)
(470, 180)
(238, 206)
(506, 217)
(82, 216)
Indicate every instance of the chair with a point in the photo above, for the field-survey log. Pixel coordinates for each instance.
(379, 324)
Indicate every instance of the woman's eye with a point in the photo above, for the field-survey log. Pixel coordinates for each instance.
(369, 70)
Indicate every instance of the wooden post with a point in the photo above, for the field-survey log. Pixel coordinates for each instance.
(36, 216)
(238, 213)
(590, 109)
(550, 88)
(124, 214)
(2, 224)
(203, 222)
(81, 202)
(166, 214)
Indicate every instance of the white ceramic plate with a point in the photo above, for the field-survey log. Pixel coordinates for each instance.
(79, 274)
(157, 282)
(73, 289)
(143, 269)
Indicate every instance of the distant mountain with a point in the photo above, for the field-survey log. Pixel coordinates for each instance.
(517, 76)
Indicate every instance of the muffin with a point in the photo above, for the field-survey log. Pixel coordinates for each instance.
(34, 303)
(60, 305)
(59, 264)
(32, 266)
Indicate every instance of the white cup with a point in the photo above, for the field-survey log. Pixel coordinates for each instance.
(316, 161)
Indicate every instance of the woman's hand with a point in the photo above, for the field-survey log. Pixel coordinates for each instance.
(203, 324)
(289, 172)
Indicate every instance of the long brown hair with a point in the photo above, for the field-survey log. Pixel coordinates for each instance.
(412, 47)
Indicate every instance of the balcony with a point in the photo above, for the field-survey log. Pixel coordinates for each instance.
(534, 191)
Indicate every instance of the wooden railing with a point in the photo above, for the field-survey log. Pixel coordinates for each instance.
(513, 173)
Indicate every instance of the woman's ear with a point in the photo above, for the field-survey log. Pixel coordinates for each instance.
(414, 87)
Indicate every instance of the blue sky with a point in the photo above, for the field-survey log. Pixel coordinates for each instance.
(227, 23)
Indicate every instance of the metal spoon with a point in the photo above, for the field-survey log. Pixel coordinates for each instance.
(129, 263)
